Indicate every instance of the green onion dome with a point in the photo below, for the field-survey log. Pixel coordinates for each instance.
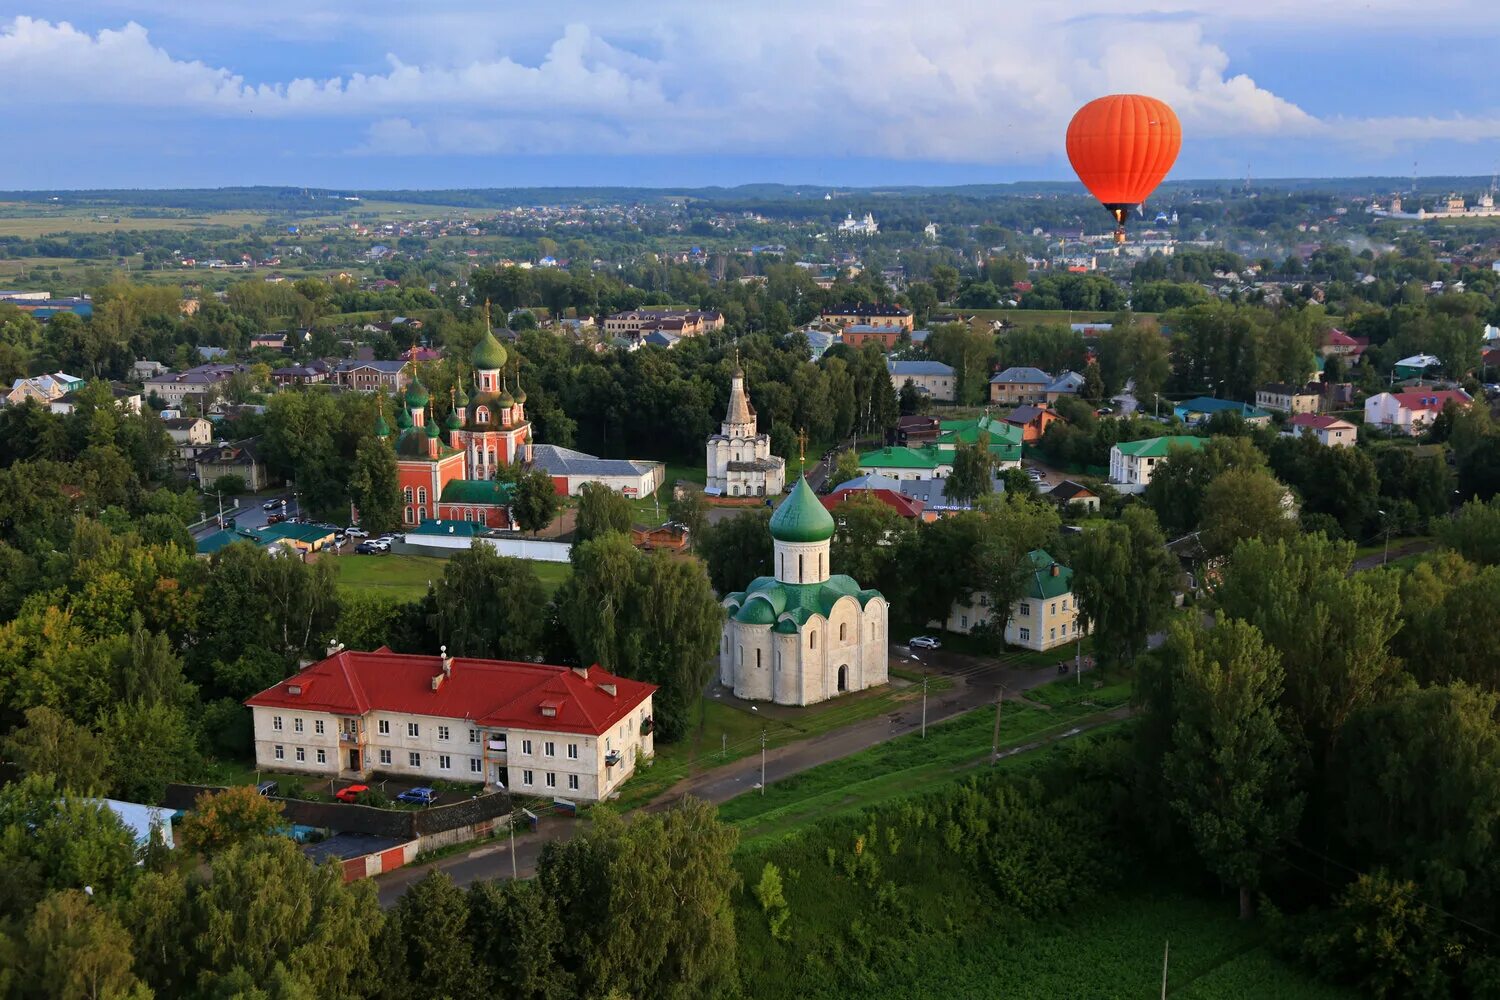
(461, 396)
(416, 394)
(801, 518)
(403, 418)
(433, 430)
(506, 399)
(454, 421)
(489, 354)
(382, 429)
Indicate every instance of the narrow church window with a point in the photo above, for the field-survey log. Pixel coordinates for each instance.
(757, 659)
(799, 569)
(820, 565)
(812, 639)
(843, 631)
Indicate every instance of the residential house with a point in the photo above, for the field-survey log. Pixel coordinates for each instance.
(188, 435)
(270, 341)
(43, 389)
(141, 370)
(1202, 409)
(1069, 492)
(869, 314)
(197, 385)
(931, 378)
(233, 458)
(1279, 397)
(1411, 411)
(570, 469)
(1046, 615)
(1003, 439)
(1033, 420)
(1338, 343)
(372, 376)
(860, 334)
(1018, 385)
(906, 506)
(531, 728)
(126, 399)
(932, 494)
(1131, 463)
(1066, 384)
(903, 463)
(1328, 430)
(312, 373)
(635, 324)
(917, 429)
(1416, 366)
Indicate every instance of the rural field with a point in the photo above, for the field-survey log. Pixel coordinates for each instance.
(406, 577)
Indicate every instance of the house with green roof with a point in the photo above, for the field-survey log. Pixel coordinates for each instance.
(900, 462)
(805, 634)
(1131, 463)
(1004, 439)
(1045, 616)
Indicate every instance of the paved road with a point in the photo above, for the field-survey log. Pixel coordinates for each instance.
(978, 682)
(1398, 550)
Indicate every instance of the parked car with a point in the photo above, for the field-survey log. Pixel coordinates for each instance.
(267, 788)
(351, 793)
(275, 518)
(356, 533)
(924, 642)
(418, 796)
(370, 548)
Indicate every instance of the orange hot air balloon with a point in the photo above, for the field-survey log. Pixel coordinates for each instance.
(1121, 146)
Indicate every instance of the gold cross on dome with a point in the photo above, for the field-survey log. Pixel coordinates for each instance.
(802, 450)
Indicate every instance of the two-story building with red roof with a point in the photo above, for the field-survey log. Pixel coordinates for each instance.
(531, 728)
(1412, 411)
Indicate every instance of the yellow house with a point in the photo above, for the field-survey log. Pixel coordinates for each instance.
(1046, 616)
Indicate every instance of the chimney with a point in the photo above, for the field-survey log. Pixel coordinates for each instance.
(582, 672)
(608, 689)
(1056, 570)
(447, 662)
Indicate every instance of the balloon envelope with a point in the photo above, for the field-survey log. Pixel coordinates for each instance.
(1121, 146)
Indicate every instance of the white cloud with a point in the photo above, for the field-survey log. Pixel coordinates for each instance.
(947, 80)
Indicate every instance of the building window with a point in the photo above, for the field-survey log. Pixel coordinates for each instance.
(276, 723)
(412, 729)
(297, 725)
(301, 755)
(384, 726)
(757, 659)
(445, 763)
(1024, 610)
(443, 733)
(473, 736)
(414, 759)
(280, 752)
(551, 779)
(799, 569)
(318, 726)
(385, 757)
(1052, 608)
(549, 749)
(1052, 634)
(421, 496)
(572, 751)
(573, 782)
(1026, 635)
(476, 766)
(526, 778)
(322, 756)
(1065, 631)
(1065, 605)
(406, 495)
(812, 639)
(843, 631)
(526, 746)
(963, 621)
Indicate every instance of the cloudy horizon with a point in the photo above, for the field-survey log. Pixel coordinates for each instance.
(155, 93)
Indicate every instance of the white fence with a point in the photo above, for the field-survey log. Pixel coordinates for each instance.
(443, 546)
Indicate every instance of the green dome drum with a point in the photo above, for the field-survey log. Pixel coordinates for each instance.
(801, 518)
(416, 394)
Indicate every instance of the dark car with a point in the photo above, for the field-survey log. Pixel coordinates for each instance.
(351, 793)
(266, 788)
(369, 549)
(418, 796)
(275, 518)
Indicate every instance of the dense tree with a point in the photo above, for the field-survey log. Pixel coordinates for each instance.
(1243, 503)
(1132, 353)
(1178, 483)
(515, 929)
(869, 536)
(600, 511)
(737, 550)
(689, 509)
(1124, 577)
(50, 840)
(75, 949)
(1335, 481)
(1474, 532)
(1228, 762)
(1014, 528)
(1445, 633)
(432, 932)
(223, 819)
(50, 744)
(535, 502)
(972, 472)
(647, 903)
(373, 486)
(488, 605)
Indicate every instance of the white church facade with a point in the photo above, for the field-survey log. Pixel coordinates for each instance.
(740, 463)
(804, 635)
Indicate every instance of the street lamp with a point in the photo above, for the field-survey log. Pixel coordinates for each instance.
(1385, 521)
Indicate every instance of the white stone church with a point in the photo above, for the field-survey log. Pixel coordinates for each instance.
(804, 635)
(740, 463)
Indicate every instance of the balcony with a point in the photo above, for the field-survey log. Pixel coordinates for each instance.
(496, 745)
(612, 758)
(647, 726)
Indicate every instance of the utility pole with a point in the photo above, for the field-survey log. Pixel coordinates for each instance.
(762, 762)
(1078, 653)
(924, 706)
(995, 741)
(723, 745)
(513, 844)
(1165, 952)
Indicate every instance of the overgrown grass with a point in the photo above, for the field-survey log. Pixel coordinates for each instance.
(407, 576)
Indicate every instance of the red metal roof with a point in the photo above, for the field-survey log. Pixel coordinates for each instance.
(496, 693)
(1432, 399)
(1320, 421)
(899, 502)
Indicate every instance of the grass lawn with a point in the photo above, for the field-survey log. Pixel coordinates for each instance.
(910, 765)
(406, 577)
(1377, 547)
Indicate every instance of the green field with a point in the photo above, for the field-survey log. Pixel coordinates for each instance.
(407, 577)
(910, 765)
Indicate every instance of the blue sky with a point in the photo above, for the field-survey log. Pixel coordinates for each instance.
(463, 93)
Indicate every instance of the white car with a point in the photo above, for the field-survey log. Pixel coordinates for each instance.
(924, 642)
(356, 533)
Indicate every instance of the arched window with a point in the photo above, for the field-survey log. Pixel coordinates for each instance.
(812, 639)
(421, 496)
(406, 495)
(843, 631)
(734, 491)
(408, 518)
(482, 415)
